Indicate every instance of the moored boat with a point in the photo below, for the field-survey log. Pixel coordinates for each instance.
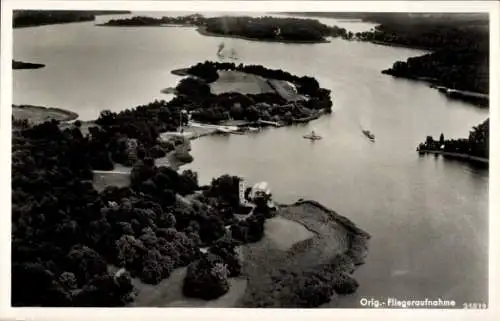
(312, 136)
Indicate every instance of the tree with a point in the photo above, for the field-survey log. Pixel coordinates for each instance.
(155, 267)
(129, 251)
(206, 278)
(33, 284)
(85, 263)
(441, 139)
(211, 228)
(226, 250)
(106, 118)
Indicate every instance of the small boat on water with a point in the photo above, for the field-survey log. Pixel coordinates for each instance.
(226, 129)
(368, 134)
(312, 136)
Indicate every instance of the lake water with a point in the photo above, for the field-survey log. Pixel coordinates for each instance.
(428, 217)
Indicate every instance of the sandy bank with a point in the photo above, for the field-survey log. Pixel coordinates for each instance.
(38, 114)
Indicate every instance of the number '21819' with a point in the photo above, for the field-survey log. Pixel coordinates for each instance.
(474, 306)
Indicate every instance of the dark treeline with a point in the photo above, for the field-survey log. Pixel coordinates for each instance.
(66, 235)
(262, 28)
(477, 144)
(267, 106)
(460, 45)
(30, 18)
(137, 21)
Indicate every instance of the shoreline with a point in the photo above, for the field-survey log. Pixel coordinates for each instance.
(164, 25)
(475, 98)
(455, 155)
(397, 45)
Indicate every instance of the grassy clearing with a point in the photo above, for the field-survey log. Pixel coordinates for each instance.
(103, 180)
(284, 233)
(240, 82)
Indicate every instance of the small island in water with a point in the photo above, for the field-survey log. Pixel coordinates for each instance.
(279, 29)
(158, 238)
(26, 65)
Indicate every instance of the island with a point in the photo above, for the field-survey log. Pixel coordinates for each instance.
(26, 65)
(287, 30)
(158, 238)
(475, 148)
(33, 18)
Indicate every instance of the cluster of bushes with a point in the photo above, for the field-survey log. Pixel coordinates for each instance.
(208, 278)
(311, 287)
(142, 125)
(477, 144)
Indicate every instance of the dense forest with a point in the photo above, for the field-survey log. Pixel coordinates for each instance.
(67, 237)
(477, 144)
(30, 18)
(459, 45)
(262, 28)
(272, 28)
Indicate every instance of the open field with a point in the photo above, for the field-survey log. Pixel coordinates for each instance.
(245, 83)
(240, 82)
(111, 178)
(38, 114)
